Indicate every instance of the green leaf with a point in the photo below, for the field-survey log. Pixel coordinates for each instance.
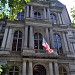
(27, 1)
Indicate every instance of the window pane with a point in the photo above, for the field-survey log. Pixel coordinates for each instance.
(40, 44)
(20, 34)
(56, 46)
(10, 73)
(59, 46)
(35, 36)
(55, 38)
(40, 36)
(12, 68)
(16, 68)
(14, 45)
(65, 73)
(1, 41)
(16, 34)
(58, 37)
(19, 44)
(36, 44)
(53, 18)
(16, 73)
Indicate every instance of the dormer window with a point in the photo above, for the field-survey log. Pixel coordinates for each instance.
(53, 18)
(37, 15)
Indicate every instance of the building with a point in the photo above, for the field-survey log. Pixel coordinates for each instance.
(21, 40)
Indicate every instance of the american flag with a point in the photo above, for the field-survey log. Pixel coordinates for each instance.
(46, 46)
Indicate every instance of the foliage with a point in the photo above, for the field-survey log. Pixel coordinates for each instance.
(1, 69)
(10, 8)
(4, 68)
(73, 14)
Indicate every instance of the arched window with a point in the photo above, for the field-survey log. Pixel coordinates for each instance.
(38, 41)
(37, 15)
(17, 41)
(53, 18)
(14, 70)
(58, 44)
(62, 71)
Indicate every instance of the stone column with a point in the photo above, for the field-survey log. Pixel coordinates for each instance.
(31, 12)
(48, 13)
(52, 38)
(27, 11)
(5, 38)
(60, 21)
(68, 41)
(56, 68)
(44, 13)
(47, 35)
(65, 41)
(8, 45)
(24, 68)
(50, 69)
(31, 38)
(25, 36)
(30, 68)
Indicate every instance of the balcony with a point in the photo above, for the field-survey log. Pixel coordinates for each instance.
(38, 53)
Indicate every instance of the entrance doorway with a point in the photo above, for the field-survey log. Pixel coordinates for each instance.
(39, 70)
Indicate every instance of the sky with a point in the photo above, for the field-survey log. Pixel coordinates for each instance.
(69, 4)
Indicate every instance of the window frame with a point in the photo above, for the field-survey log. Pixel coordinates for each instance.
(57, 42)
(38, 39)
(37, 15)
(13, 70)
(53, 18)
(17, 37)
(20, 15)
(63, 71)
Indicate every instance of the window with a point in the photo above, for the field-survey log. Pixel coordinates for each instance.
(1, 38)
(14, 70)
(57, 43)
(20, 15)
(53, 18)
(37, 15)
(38, 41)
(17, 41)
(2, 26)
(62, 71)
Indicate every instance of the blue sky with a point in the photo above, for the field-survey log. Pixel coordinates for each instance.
(69, 4)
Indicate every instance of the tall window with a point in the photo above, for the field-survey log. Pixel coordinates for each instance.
(62, 71)
(57, 43)
(14, 70)
(38, 41)
(37, 15)
(21, 16)
(53, 18)
(17, 41)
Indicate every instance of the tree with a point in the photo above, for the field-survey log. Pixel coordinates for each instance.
(1, 69)
(4, 69)
(73, 14)
(10, 8)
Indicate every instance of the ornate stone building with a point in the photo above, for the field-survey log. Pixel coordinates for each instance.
(21, 40)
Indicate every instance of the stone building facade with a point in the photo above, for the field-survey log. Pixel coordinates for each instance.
(21, 40)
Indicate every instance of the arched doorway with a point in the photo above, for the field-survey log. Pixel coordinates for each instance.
(39, 70)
